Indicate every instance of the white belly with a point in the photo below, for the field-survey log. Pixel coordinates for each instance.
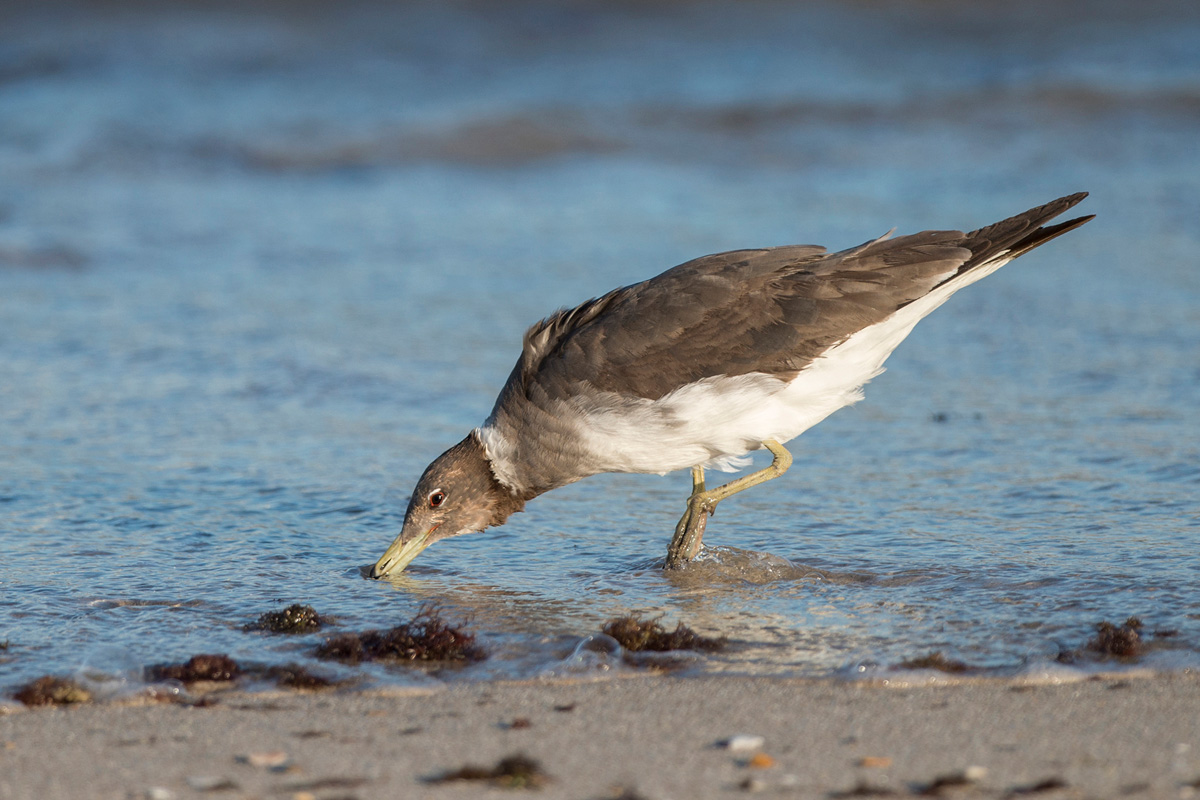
(720, 419)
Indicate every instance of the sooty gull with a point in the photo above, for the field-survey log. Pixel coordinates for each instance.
(699, 366)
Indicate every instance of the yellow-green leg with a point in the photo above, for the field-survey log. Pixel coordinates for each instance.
(689, 533)
(685, 544)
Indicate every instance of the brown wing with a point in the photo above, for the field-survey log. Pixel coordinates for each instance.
(770, 310)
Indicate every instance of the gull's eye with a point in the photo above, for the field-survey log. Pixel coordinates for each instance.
(437, 498)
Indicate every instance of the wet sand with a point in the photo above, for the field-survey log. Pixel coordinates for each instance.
(228, 236)
(649, 737)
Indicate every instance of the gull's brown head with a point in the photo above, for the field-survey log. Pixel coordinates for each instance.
(457, 494)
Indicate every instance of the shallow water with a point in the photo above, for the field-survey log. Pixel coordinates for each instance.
(258, 267)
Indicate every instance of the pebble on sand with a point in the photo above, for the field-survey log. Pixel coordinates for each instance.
(744, 743)
(271, 759)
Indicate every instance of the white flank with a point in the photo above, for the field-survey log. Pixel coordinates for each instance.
(717, 421)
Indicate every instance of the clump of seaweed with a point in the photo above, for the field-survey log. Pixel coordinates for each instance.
(1046, 785)
(51, 691)
(217, 668)
(864, 789)
(426, 638)
(1121, 641)
(513, 772)
(296, 618)
(937, 661)
(1111, 641)
(637, 635)
(294, 676)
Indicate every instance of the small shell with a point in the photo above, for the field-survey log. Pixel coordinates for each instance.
(272, 759)
(744, 743)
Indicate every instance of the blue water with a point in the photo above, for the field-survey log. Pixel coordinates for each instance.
(259, 265)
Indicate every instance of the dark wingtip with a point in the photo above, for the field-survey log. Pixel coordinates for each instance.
(1042, 235)
(1021, 233)
(1053, 208)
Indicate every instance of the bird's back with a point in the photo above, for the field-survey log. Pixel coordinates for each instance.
(729, 328)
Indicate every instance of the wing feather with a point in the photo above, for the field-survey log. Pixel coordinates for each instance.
(770, 310)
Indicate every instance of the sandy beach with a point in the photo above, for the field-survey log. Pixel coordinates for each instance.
(650, 737)
(261, 262)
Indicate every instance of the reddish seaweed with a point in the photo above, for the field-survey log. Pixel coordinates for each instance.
(296, 618)
(1119, 641)
(514, 772)
(1122, 641)
(51, 691)
(293, 676)
(426, 638)
(207, 667)
(937, 661)
(637, 635)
